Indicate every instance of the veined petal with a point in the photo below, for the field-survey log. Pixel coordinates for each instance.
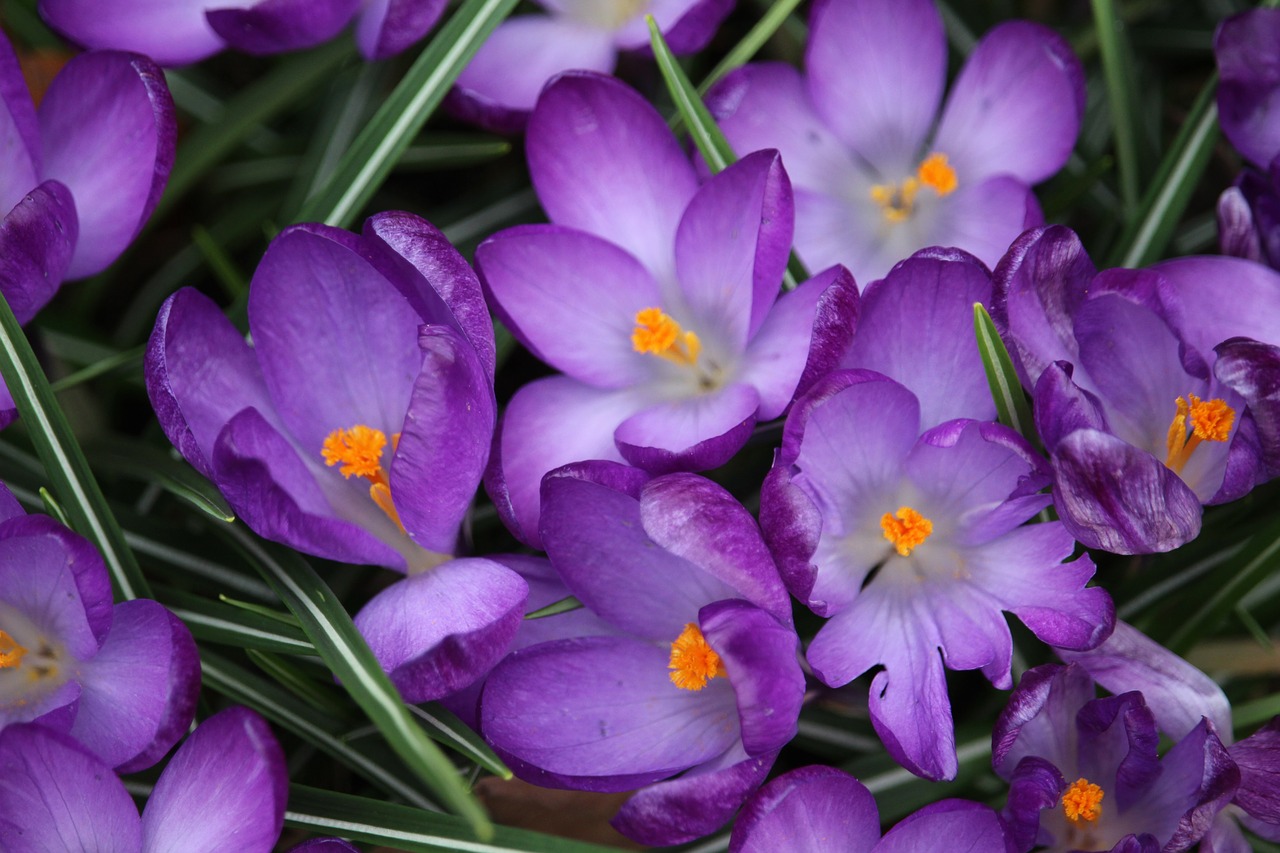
(387, 27)
(172, 32)
(19, 133)
(961, 822)
(692, 434)
(1252, 370)
(814, 809)
(1249, 91)
(276, 26)
(37, 238)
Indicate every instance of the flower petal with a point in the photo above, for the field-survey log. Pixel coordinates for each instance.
(108, 129)
(172, 32)
(1258, 757)
(37, 238)
(1210, 299)
(1249, 89)
(984, 218)
(976, 824)
(388, 27)
(691, 434)
(277, 26)
(814, 809)
(19, 133)
(1252, 370)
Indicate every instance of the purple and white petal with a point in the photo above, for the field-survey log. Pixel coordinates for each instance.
(686, 25)
(983, 217)
(1210, 299)
(172, 32)
(1237, 234)
(693, 434)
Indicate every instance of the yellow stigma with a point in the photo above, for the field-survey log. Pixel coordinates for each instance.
(906, 529)
(898, 201)
(359, 451)
(1082, 801)
(1210, 420)
(936, 172)
(693, 661)
(657, 333)
(10, 652)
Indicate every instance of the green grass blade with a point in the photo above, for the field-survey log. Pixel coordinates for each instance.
(64, 462)
(1006, 390)
(230, 626)
(564, 605)
(742, 53)
(375, 151)
(1120, 104)
(133, 459)
(291, 678)
(340, 645)
(443, 727)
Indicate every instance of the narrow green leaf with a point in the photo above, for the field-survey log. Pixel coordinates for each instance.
(52, 507)
(221, 623)
(63, 460)
(403, 828)
(442, 726)
(149, 464)
(340, 645)
(375, 151)
(1006, 390)
(98, 368)
(742, 53)
(263, 611)
(453, 150)
(296, 682)
(564, 605)
(1119, 98)
(223, 268)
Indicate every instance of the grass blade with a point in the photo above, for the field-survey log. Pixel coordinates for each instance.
(1006, 390)
(564, 605)
(443, 727)
(751, 43)
(133, 459)
(231, 626)
(1119, 99)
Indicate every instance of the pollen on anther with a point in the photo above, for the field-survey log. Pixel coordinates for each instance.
(657, 333)
(936, 172)
(358, 450)
(1211, 420)
(10, 652)
(1082, 801)
(693, 661)
(906, 529)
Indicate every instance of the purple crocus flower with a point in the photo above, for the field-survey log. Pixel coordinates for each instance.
(1084, 774)
(224, 789)
(656, 297)
(500, 86)
(122, 679)
(179, 32)
(81, 175)
(355, 427)
(1141, 426)
(912, 545)
(824, 810)
(698, 687)
(874, 181)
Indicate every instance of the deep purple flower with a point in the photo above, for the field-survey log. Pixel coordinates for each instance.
(122, 679)
(657, 298)
(1084, 774)
(179, 32)
(873, 180)
(825, 810)
(1141, 422)
(699, 685)
(355, 427)
(500, 86)
(224, 789)
(913, 545)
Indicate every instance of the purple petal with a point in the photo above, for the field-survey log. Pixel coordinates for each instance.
(1035, 785)
(1117, 746)
(499, 87)
(387, 27)
(1211, 299)
(984, 218)
(19, 133)
(1015, 108)
(811, 810)
(1237, 233)
(690, 434)
(1197, 781)
(1258, 757)
(792, 527)
(615, 718)
(1062, 407)
(876, 70)
(548, 423)
(224, 789)
(1039, 719)
(1252, 370)
(966, 826)
(439, 631)
(444, 444)
(9, 506)
(276, 26)
(37, 238)
(172, 32)
(55, 794)
(916, 326)
(138, 694)
(695, 803)
(687, 25)
(572, 299)
(1249, 88)
(108, 129)
(732, 247)
(604, 161)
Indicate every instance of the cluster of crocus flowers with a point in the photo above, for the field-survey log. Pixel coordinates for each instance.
(874, 181)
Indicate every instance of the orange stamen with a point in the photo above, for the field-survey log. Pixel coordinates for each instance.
(657, 333)
(1211, 420)
(1082, 801)
(693, 661)
(907, 530)
(937, 173)
(359, 451)
(10, 652)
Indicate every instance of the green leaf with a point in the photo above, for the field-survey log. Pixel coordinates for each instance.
(263, 611)
(444, 727)
(375, 151)
(99, 367)
(340, 645)
(296, 682)
(63, 460)
(52, 507)
(1120, 101)
(151, 465)
(743, 51)
(1006, 389)
(403, 828)
(231, 626)
(564, 605)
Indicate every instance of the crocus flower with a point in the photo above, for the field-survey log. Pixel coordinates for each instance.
(179, 33)
(81, 175)
(500, 86)
(1084, 774)
(825, 810)
(355, 427)
(700, 683)
(224, 789)
(122, 679)
(911, 543)
(874, 181)
(657, 298)
(1140, 429)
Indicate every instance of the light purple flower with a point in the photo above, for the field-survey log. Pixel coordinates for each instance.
(122, 679)
(1143, 424)
(355, 427)
(500, 86)
(224, 789)
(1084, 774)
(913, 545)
(179, 32)
(699, 685)
(825, 810)
(657, 298)
(874, 181)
